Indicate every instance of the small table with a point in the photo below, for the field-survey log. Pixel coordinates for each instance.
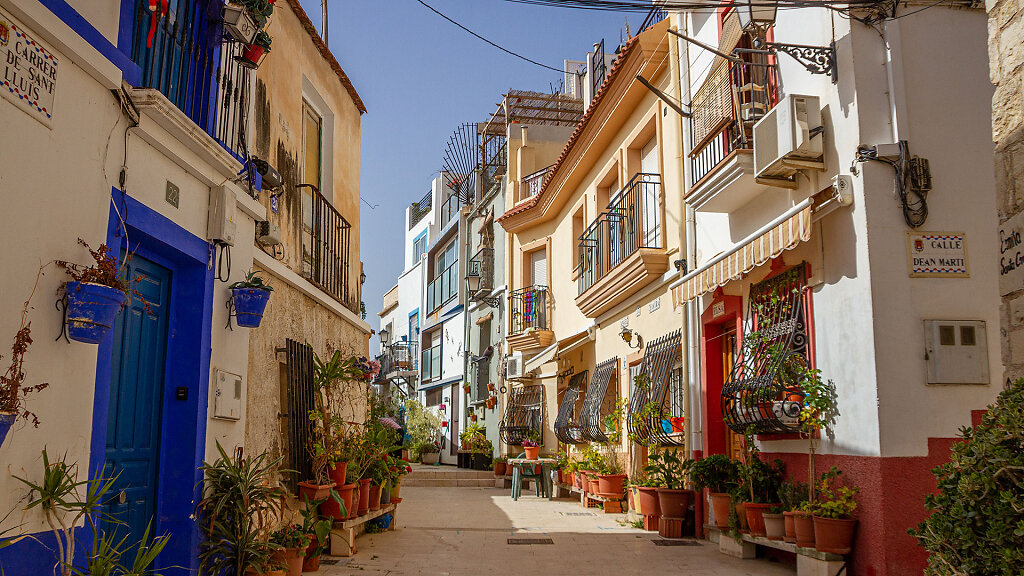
(545, 475)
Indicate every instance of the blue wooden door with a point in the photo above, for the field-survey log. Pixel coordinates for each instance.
(136, 398)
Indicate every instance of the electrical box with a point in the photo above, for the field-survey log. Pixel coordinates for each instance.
(227, 395)
(221, 226)
(956, 352)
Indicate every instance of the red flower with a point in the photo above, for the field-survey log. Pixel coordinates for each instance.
(408, 468)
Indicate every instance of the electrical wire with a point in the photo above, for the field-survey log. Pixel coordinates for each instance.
(502, 48)
(913, 202)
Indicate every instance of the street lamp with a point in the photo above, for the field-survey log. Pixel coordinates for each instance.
(627, 337)
(473, 286)
(384, 335)
(757, 16)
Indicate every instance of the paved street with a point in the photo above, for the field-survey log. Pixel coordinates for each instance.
(465, 531)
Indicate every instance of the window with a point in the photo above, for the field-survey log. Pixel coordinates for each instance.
(312, 168)
(649, 194)
(434, 396)
(419, 246)
(445, 284)
(539, 267)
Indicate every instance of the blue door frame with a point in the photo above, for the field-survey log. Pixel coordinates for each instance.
(156, 238)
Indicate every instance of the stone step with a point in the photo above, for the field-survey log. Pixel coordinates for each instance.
(448, 482)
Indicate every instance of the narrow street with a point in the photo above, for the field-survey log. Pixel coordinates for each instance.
(466, 531)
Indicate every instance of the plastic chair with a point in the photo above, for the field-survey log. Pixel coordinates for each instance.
(518, 475)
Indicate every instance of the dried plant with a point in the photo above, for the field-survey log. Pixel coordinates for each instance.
(105, 271)
(12, 382)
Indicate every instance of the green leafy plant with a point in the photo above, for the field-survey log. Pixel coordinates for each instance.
(976, 526)
(252, 280)
(241, 501)
(667, 469)
(717, 473)
(422, 424)
(263, 40)
(317, 528)
(792, 495)
(761, 480)
(819, 413)
(66, 502)
(836, 499)
(290, 536)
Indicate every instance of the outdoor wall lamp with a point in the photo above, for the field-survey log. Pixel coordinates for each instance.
(473, 285)
(627, 337)
(756, 17)
(384, 336)
(362, 277)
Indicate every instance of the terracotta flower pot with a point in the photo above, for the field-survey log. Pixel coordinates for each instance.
(336, 471)
(804, 525)
(312, 492)
(499, 468)
(674, 503)
(610, 485)
(741, 516)
(834, 535)
(594, 485)
(755, 517)
(720, 502)
(291, 560)
(374, 497)
(648, 502)
(311, 563)
(332, 510)
(396, 490)
(774, 526)
(532, 453)
(577, 480)
(790, 527)
(364, 497)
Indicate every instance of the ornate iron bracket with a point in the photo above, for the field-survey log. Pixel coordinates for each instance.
(492, 301)
(230, 305)
(816, 59)
(62, 305)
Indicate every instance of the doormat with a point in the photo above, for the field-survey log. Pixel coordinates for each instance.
(665, 542)
(526, 541)
(334, 561)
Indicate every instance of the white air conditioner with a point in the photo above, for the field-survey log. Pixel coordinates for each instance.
(788, 138)
(514, 366)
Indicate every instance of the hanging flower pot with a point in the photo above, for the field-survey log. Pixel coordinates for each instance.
(6, 421)
(490, 386)
(254, 53)
(92, 309)
(249, 306)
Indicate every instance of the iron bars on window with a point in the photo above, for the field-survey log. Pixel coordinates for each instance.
(326, 237)
(300, 393)
(762, 392)
(650, 403)
(522, 415)
(596, 404)
(567, 424)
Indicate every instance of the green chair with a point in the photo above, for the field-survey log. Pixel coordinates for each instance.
(518, 475)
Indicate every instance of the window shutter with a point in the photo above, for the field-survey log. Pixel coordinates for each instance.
(539, 267)
(301, 399)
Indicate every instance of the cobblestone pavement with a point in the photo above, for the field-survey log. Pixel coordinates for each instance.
(466, 532)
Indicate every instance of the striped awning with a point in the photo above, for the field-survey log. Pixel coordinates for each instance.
(785, 236)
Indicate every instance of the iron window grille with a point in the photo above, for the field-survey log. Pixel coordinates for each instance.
(595, 404)
(523, 414)
(301, 399)
(649, 404)
(529, 309)
(325, 249)
(599, 69)
(567, 424)
(632, 221)
(762, 394)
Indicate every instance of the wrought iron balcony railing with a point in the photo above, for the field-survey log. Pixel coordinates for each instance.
(533, 183)
(482, 265)
(725, 108)
(399, 356)
(529, 308)
(631, 222)
(188, 61)
(653, 17)
(325, 249)
(419, 210)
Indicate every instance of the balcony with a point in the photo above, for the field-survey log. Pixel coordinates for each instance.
(444, 288)
(188, 61)
(482, 266)
(398, 360)
(533, 183)
(325, 245)
(528, 326)
(725, 108)
(450, 209)
(623, 248)
(419, 210)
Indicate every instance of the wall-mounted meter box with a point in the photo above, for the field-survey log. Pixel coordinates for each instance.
(221, 225)
(956, 351)
(227, 395)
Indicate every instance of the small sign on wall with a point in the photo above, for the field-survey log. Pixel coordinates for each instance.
(28, 71)
(1011, 255)
(937, 254)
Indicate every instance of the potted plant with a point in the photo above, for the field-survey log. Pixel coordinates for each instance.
(12, 382)
(774, 522)
(95, 294)
(499, 465)
(819, 413)
(646, 499)
(761, 481)
(465, 387)
(318, 534)
(718, 473)
(674, 500)
(240, 499)
(253, 53)
(250, 297)
(792, 495)
(290, 542)
(833, 527)
(531, 445)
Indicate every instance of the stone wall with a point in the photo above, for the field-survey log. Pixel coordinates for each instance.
(1006, 70)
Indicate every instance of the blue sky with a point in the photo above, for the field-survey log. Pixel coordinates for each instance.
(421, 77)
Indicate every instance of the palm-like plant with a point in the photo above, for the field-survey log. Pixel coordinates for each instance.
(241, 499)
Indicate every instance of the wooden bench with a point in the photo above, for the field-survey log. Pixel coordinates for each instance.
(344, 533)
(610, 505)
(809, 561)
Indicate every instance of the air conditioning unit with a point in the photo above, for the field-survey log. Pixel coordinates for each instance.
(789, 138)
(514, 366)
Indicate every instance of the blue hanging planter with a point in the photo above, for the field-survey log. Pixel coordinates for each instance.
(249, 306)
(6, 421)
(91, 310)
